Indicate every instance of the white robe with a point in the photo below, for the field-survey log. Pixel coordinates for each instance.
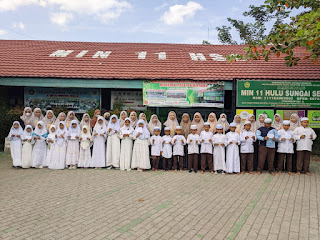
(219, 152)
(73, 151)
(140, 154)
(50, 154)
(193, 147)
(39, 153)
(99, 151)
(156, 146)
(85, 159)
(16, 152)
(206, 145)
(178, 146)
(59, 156)
(232, 152)
(126, 152)
(26, 154)
(167, 146)
(113, 150)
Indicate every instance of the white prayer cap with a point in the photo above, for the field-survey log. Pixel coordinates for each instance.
(206, 124)
(167, 128)
(247, 122)
(219, 126)
(268, 120)
(156, 128)
(178, 127)
(304, 119)
(233, 124)
(193, 127)
(286, 122)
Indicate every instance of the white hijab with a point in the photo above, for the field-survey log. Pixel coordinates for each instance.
(277, 125)
(100, 128)
(83, 122)
(172, 124)
(41, 132)
(293, 125)
(48, 121)
(259, 124)
(57, 123)
(133, 122)
(85, 143)
(74, 130)
(18, 131)
(114, 126)
(27, 135)
(51, 135)
(152, 125)
(62, 132)
(127, 130)
(225, 124)
(26, 119)
(36, 119)
(144, 133)
(121, 121)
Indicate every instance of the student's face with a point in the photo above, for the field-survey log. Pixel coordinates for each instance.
(232, 129)
(179, 131)
(141, 125)
(38, 113)
(16, 125)
(100, 121)
(211, 118)
(172, 116)
(305, 123)
(86, 118)
(251, 119)
(156, 132)
(114, 120)
(219, 130)
(28, 130)
(193, 131)
(123, 116)
(277, 118)
(50, 115)
(143, 116)
(28, 112)
(247, 127)
(71, 116)
(185, 118)
(133, 116)
(197, 118)
(39, 126)
(267, 125)
(53, 130)
(167, 132)
(61, 126)
(97, 113)
(293, 119)
(127, 123)
(223, 118)
(74, 125)
(238, 119)
(107, 115)
(261, 119)
(154, 120)
(62, 117)
(286, 127)
(85, 130)
(206, 128)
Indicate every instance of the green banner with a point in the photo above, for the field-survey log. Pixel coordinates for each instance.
(278, 93)
(314, 118)
(183, 93)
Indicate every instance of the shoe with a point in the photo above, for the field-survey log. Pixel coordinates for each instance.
(223, 172)
(110, 167)
(215, 172)
(190, 170)
(195, 171)
(41, 166)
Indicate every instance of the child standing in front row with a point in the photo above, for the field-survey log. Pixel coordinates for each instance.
(51, 140)
(232, 150)
(206, 148)
(85, 144)
(15, 136)
(73, 150)
(59, 158)
(166, 150)
(39, 151)
(156, 148)
(140, 152)
(247, 138)
(193, 142)
(99, 144)
(126, 145)
(178, 149)
(113, 143)
(305, 137)
(218, 141)
(27, 140)
(285, 147)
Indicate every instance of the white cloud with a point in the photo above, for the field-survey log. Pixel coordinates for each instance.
(11, 5)
(177, 13)
(61, 18)
(19, 25)
(2, 32)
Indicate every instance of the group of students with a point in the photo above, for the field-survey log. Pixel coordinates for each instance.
(128, 142)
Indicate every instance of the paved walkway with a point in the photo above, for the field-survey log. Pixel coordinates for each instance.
(111, 204)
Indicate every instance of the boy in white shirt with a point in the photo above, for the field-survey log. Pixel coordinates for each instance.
(193, 142)
(232, 150)
(156, 148)
(247, 138)
(285, 147)
(219, 155)
(166, 150)
(305, 137)
(178, 142)
(206, 148)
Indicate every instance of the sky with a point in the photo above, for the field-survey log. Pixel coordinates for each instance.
(152, 21)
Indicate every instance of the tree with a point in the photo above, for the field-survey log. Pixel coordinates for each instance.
(303, 30)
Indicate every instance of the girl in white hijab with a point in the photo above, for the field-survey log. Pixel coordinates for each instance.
(49, 119)
(15, 136)
(133, 119)
(59, 156)
(277, 122)
(126, 145)
(99, 144)
(70, 117)
(223, 120)
(294, 121)
(27, 116)
(237, 120)
(185, 124)
(172, 122)
(123, 116)
(27, 141)
(154, 122)
(51, 141)
(72, 157)
(212, 119)
(85, 121)
(260, 122)
(140, 153)
(113, 143)
(198, 120)
(85, 144)
(61, 118)
(254, 125)
(39, 151)
(36, 117)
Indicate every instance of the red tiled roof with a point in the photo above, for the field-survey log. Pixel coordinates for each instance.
(32, 59)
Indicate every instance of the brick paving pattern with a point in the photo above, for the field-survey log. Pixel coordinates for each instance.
(114, 204)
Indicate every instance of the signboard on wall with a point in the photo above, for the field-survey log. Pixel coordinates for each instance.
(128, 100)
(183, 93)
(79, 100)
(244, 114)
(268, 113)
(278, 93)
(314, 118)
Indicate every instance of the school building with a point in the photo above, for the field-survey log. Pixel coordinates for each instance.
(163, 77)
